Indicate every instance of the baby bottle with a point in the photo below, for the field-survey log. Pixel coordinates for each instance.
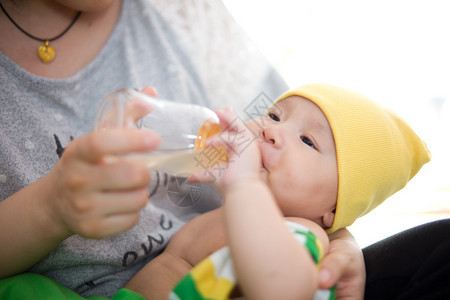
(183, 128)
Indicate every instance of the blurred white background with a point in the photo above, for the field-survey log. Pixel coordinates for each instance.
(397, 52)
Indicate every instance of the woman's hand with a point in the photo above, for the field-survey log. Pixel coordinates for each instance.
(344, 265)
(94, 191)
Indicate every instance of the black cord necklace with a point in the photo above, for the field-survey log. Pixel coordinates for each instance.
(46, 53)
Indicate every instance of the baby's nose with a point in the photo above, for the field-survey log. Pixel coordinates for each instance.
(273, 136)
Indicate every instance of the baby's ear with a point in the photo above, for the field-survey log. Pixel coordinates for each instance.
(328, 218)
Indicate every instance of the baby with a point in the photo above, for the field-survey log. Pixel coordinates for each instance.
(320, 158)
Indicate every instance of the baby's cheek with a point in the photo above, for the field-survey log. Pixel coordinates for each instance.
(255, 125)
(283, 187)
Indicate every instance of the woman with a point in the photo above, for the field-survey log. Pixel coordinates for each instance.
(68, 211)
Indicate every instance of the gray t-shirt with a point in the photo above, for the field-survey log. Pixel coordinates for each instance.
(40, 116)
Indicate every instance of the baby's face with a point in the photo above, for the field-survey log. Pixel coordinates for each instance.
(298, 158)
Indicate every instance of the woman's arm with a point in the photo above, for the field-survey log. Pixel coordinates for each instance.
(195, 241)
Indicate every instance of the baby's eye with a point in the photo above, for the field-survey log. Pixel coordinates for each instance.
(273, 116)
(308, 142)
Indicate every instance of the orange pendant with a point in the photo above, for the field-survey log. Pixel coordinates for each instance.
(46, 53)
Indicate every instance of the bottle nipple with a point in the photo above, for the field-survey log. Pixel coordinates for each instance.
(207, 130)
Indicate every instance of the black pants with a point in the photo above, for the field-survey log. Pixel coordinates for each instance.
(413, 264)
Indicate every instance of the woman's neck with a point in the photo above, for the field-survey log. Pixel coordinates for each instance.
(46, 19)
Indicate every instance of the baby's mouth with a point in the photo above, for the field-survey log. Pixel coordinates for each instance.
(264, 172)
(263, 166)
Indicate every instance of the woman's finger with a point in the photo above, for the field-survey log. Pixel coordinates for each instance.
(108, 225)
(127, 201)
(135, 109)
(119, 174)
(95, 145)
(149, 90)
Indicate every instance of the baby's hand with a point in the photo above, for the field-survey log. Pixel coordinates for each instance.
(244, 158)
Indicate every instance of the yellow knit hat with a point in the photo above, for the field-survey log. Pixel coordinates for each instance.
(377, 152)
